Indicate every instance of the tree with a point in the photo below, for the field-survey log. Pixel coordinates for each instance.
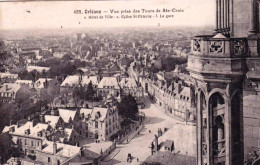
(128, 108)
(90, 91)
(34, 74)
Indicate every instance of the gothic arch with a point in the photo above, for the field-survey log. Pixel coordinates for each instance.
(216, 90)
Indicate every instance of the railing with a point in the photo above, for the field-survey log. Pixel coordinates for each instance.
(226, 47)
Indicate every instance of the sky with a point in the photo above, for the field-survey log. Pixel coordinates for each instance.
(57, 14)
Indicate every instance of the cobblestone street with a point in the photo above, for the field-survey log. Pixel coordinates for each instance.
(139, 146)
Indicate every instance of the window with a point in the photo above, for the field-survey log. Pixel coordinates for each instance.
(49, 159)
(25, 141)
(109, 121)
(58, 162)
(96, 124)
(106, 132)
(32, 143)
(38, 143)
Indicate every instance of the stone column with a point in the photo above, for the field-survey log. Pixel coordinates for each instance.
(228, 133)
(210, 131)
(227, 14)
(216, 16)
(219, 14)
(222, 15)
(199, 128)
(252, 18)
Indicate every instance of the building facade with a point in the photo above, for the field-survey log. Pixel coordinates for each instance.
(225, 66)
(104, 122)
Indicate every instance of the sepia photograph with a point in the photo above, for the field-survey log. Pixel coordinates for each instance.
(138, 82)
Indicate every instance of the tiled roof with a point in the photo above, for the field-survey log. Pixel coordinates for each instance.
(40, 82)
(63, 150)
(75, 80)
(37, 68)
(71, 80)
(108, 82)
(10, 87)
(128, 83)
(23, 82)
(102, 112)
(8, 75)
(85, 111)
(29, 126)
(86, 80)
(52, 120)
(66, 114)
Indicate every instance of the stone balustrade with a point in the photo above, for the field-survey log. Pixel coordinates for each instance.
(219, 47)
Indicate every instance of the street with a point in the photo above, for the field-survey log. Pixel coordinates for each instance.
(139, 146)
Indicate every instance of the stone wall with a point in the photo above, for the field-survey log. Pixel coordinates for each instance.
(184, 137)
(251, 117)
(241, 17)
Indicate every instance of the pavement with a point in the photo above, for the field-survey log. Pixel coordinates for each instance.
(139, 146)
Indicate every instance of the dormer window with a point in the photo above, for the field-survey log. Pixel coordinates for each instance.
(97, 115)
(27, 132)
(39, 134)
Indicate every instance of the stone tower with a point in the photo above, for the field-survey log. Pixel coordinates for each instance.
(221, 64)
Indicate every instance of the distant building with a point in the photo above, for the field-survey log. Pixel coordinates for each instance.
(54, 121)
(28, 83)
(176, 99)
(37, 68)
(168, 145)
(29, 136)
(104, 122)
(8, 77)
(56, 153)
(41, 83)
(129, 86)
(108, 85)
(85, 116)
(8, 92)
(76, 80)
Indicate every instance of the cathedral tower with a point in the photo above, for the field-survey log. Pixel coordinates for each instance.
(220, 64)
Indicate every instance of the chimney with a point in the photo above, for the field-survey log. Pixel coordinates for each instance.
(6, 87)
(18, 124)
(159, 132)
(179, 86)
(41, 117)
(156, 143)
(34, 122)
(81, 153)
(54, 147)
